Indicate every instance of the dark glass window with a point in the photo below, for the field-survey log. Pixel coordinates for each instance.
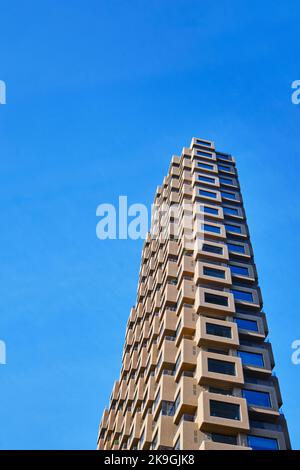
(206, 178)
(167, 408)
(202, 192)
(177, 444)
(224, 410)
(242, 295)
(214, 272)
(251, 359)
(212, 249)
(224, 167)
(218, 330)
(204, 154)
(262, 443)
(220, 391)
(215, 437)
(245, 324)
(210, 210)
(225, 156)
(241, 270)
(226, 180)
(233, 228)
(236, 248)
(215, 299)
(201, 142)
(211, 228)
(228, 195)
(230, 211)
(205, 165)
(221, 367)
(256, 398)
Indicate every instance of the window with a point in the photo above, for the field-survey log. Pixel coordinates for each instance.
(228, 195)
(226, 180)
(242, 295)
(221, 367)
(156, 399)
(233, 228)
(214, 272)
(218, 330)
(256, 398)
(177, 444)
(230, 211)
(224, 167)
(177, 402)
(220, 391)
(225, 156)
(206, 178)
(215, 437)
(251, 359)
(265, 425)
(236, 248)
(154, 442)
(224, 410)
(177, 362)
(245, 324)
(204, 154)
(206, 166)
(167, 408)
(202, 192)
(240, 270)
(262, 443)
(210, 210)
(211, 228)
(216, 299)
(212, 249)
(205, 144)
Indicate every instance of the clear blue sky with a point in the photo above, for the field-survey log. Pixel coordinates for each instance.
(100, 94)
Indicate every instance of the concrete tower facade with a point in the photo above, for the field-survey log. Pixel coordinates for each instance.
(197, 366)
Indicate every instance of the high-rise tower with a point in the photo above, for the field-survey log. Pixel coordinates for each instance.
(197, 366)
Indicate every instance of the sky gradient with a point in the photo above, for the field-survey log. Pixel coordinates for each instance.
(100, 95)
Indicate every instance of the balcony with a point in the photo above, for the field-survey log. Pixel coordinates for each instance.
(207, 196)
(111, 420)
(227, 336)
(214, 301)
(219, 369)
(123, 390)
(188, 434)
(186, 292)
(146, 434)
(186, 324)
(187, 398)
(206, 273)
(164, 431)
(199, 212)
(149, 394)
(187, 267)
(169, 297)
(135, 430)
(210, 423)
(210, 445)
(119, 421)
(211, 250)
(167, 326)
(166, 357)
(188, 357)
(206, 154)
(209, 230)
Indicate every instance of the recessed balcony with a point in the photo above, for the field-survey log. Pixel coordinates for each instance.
(211, 332)
(214, 301)
(220, 413)
(219, 369)
(211, 273)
